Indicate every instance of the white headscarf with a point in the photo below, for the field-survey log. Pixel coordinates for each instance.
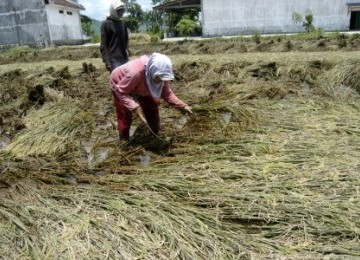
(116, 4)
(161, 66)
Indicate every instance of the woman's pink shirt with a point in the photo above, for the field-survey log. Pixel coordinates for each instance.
(129, 79)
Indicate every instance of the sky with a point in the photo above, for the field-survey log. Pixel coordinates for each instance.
(99, 9)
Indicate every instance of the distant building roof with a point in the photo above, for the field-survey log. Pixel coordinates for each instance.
(354, 6)
(68, 3)
(178, 4)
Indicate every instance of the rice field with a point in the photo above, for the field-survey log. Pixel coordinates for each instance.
(266, 168)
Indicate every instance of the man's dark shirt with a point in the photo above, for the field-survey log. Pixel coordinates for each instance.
(114, 41)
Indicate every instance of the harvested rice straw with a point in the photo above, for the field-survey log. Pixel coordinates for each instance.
(51, 129)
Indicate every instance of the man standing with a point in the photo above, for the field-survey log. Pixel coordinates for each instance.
(114, 37)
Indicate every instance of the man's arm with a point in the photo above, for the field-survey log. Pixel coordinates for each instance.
(127, 40)
(104, 47)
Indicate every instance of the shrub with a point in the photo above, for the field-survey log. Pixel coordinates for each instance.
(95, 38)
(186, 26)
(307, 23)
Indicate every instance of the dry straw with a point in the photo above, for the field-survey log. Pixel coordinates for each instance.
(266, 168)
(51, 129)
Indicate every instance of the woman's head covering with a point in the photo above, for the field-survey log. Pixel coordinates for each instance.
(114, 6)
(161, 66)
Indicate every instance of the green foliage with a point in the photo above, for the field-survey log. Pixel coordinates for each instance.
(297, 17)
(134, 15)
(153, 21)
(95, 38)
(289, 45)
(132, 23)
(257, 37)
(19, 50)
(186, 26)
(134, 10)
(154, 38)
(87, 28)
(85, 19)
(173, 18)
(308, 21)
(87, 25)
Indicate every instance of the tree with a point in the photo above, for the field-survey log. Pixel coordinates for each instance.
(307, 23)
(186, 26)
(153, 21)
(296, 17)
(172, 18)
(134, 15)
(157, 2)
(87, 25)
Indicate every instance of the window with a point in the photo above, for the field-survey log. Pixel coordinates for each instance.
(46, 2)
(69, 13)
(61, 11)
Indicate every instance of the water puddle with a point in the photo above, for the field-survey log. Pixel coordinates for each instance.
(95, 155)
(226, 117)
(181, 122)
(144, 160)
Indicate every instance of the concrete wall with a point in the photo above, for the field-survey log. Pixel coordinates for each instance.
(236, 17)
(65, 28)
(23, 22)
(31, 22)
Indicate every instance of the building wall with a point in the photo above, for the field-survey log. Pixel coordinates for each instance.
(23, 22)
(64, 27)
(235, 17)
(31, 22)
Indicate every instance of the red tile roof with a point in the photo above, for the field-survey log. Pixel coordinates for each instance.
(68, 4)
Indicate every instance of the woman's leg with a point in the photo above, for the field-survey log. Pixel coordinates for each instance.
(124, 118)
(150, 108)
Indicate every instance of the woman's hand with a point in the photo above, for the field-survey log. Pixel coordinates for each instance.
(108, 67)
(137, 112)
(188, 110)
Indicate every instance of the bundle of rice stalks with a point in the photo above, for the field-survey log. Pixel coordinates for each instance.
(342, 82)
(140, 38)
(52, 129)
(226, 112)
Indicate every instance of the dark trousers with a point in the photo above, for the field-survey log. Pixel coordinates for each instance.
(150, 108)
(115, 63)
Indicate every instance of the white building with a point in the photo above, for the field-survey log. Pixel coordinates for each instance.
(63, 18)
(236, 17)
(40, 22)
